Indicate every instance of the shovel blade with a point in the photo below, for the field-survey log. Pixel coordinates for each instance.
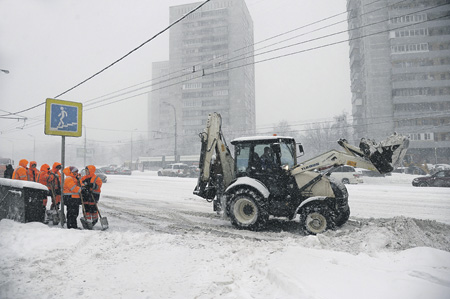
(62, 218)
(104, 223)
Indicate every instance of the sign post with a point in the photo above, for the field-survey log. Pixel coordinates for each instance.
(63, 118)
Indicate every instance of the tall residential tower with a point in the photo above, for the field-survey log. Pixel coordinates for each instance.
(400, 73)
(210, 69)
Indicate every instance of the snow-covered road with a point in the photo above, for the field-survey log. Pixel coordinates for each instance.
(164, 242)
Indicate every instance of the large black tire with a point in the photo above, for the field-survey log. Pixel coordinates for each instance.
(345, 181)
(316, 218)
(423, 184)
(159, 173)
(247, 209)
(342, 212)
(342, 217)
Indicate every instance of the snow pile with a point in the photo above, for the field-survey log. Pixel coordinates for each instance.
(374, 235)
(164, 242)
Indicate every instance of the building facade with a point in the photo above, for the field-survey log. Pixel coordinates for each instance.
(400, 73)
(210, 69)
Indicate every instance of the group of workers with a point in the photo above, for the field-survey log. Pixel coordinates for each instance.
(77, 190)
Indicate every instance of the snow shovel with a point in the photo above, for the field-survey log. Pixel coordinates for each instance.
(86, 224)
(54, 214)
(103, 220)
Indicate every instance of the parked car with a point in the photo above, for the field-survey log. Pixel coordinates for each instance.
(108, 170)
(123, 171)
(439, 167)
(176, 169)
(98, 172)
(439, 179)
(347, 175)
(193, 171)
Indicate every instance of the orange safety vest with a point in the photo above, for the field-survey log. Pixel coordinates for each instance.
(71, 187)
(20, 173)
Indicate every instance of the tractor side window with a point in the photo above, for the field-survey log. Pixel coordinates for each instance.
(242, 157)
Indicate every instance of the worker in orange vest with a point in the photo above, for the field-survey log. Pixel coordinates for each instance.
(92, 185)
(55, 184)
(71, 193)
(42, 178)
(21, 172)
(33, 171)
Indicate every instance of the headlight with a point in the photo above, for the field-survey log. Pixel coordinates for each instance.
(285, 167)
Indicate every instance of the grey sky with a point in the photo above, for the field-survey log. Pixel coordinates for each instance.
(50, 46)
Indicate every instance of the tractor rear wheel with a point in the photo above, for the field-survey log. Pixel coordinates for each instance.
(247, 209)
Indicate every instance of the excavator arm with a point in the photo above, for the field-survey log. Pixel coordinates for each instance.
(382, 157)
(216, 163)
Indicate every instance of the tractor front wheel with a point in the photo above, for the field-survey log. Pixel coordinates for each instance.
(316, 218)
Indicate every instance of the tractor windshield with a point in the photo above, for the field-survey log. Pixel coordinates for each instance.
(287, 154)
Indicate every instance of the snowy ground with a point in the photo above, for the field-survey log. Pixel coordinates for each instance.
(164, 242)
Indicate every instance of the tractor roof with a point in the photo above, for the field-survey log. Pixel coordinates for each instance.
(261, 139)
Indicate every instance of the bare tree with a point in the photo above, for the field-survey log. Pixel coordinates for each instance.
(322, 137)
(284, 129)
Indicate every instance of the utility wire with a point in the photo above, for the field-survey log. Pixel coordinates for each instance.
(123, 57)
(246, 47)
(266, 52)
(277, 56)
(272, 58)
(281, 34)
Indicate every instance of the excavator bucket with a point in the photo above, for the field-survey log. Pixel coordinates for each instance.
(387, 154)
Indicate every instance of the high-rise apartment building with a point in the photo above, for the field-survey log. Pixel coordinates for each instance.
(400, 73)
(210, 69)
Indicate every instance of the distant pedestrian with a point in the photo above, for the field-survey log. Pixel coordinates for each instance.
(54, 181)
(21, 172)
(42, 178)
(8, 172)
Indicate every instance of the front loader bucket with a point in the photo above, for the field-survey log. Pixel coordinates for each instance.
(387, 154)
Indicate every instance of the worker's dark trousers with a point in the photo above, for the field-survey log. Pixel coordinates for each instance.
(73, 209)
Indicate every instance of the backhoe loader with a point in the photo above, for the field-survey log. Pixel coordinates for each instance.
(264, 179)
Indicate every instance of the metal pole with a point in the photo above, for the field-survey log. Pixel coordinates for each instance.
(62, 217)
(131, 157)
(175, 117)
(175, 150)
(84, 165)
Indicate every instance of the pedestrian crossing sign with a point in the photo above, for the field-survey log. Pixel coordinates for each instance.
(63, 118)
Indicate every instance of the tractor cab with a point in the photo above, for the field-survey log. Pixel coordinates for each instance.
(268, 160)
(263, 155)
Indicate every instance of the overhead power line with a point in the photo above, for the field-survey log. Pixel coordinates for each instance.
(261, 61)
(268, 59)
(121, 58)
(278, 35)
(236, 59)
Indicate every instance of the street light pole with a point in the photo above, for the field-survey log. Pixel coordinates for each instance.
(175, 117)
(34, 146)
(131, 158)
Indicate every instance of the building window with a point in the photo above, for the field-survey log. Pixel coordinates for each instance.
(221, 92)
(409, 48)
(192, 86)
(409, 18)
